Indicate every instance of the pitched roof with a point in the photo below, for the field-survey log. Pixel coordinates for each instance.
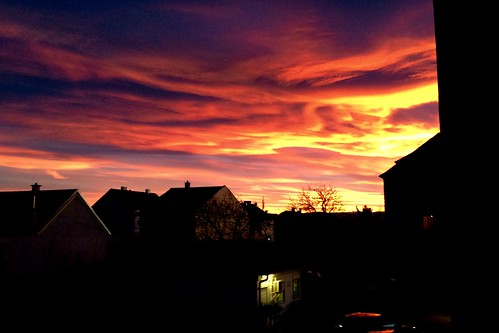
(424, 155)
(117, 206)
(17, 213)
(125, 198)
(192, 197)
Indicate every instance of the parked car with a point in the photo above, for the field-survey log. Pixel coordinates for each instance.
(373, 322)
(315, 316)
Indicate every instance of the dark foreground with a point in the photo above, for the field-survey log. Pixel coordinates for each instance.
(173, 301)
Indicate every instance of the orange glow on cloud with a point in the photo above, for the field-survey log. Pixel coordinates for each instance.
(381, 104)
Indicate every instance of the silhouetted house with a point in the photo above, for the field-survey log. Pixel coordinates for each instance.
(203, 236)
(123, 211)
(441, 182)
(261, 223)
(50, 230)
(329, 241)
(422, 189)
(200, 214)
(414, 192)
(318, 233)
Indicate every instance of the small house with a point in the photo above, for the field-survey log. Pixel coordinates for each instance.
(48, 231)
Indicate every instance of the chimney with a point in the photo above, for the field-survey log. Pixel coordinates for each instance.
(148, 191)
(187, 184)
(35, 187)
(123, 188)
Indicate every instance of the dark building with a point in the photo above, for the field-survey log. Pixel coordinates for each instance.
(439, 186)
(126, 213)
(123, 211)
(45, 231)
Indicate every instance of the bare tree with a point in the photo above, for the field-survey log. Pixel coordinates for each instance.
(221, 219)
(317, 198)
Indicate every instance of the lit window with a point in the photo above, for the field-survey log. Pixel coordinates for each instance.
(279, 296)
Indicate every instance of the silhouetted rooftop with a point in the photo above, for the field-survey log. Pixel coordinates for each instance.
(190, 196)
(18, 215)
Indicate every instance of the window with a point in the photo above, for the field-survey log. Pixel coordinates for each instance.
(296, 288)
(279, 295)
(264, 297)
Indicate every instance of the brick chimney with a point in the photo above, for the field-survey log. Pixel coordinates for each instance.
(187, 184)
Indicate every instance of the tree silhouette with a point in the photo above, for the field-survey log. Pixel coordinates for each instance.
(317, 198)
(221, 219)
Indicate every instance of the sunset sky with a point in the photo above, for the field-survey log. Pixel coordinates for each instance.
(264, 97)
